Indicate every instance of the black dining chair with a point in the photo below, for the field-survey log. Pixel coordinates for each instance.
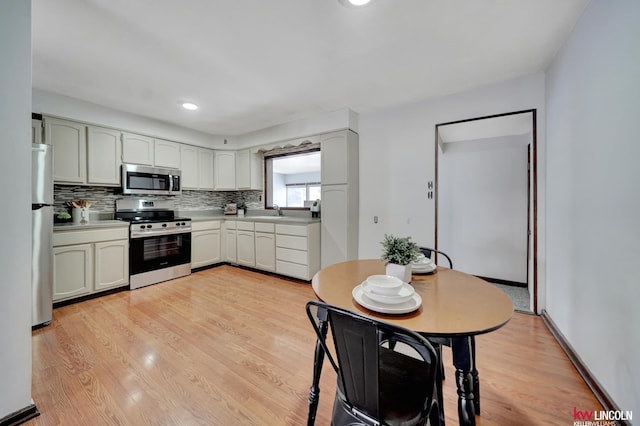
(438, 342)
(428, 252)
(378, 385)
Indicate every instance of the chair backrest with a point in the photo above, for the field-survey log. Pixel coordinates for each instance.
(377, 383)
(427, 251)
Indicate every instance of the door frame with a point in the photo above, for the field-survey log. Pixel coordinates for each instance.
(532, 216)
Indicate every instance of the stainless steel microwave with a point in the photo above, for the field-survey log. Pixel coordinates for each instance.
(138, 179)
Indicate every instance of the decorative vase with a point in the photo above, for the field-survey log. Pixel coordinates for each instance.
(402, 272)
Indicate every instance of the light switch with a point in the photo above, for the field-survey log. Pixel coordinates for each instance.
(375, 219)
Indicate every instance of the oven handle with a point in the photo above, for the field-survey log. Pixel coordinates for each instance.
(159, 232)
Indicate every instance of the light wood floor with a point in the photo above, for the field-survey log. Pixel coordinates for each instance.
(227, 346)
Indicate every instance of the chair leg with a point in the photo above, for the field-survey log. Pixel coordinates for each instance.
(439, 349)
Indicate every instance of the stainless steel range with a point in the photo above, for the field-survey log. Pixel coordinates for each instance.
(159, 242)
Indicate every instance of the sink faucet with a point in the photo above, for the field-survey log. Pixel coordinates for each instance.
(277, 209)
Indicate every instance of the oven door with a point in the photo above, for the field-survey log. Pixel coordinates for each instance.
(153, 252)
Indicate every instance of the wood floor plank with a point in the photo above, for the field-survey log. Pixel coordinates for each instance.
(229, 346)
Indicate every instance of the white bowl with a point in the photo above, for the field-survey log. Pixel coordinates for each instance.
(384, 284)
(404, 294)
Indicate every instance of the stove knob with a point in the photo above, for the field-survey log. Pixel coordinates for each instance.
(183, 224)
(164, 225)
(149, 226)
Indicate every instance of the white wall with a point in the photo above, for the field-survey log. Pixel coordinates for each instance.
(321, 123)
(63, 106)
(593, 195)
(15, 244)
(397, 149)
(482, 206)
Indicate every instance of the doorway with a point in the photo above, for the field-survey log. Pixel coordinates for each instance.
(485, 193)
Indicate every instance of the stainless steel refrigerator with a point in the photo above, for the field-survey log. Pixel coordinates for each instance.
(42, 242)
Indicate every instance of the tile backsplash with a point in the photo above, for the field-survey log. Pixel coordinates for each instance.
(103, 199)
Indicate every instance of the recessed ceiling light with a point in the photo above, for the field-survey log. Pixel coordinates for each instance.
(190, 106)
(351, 3)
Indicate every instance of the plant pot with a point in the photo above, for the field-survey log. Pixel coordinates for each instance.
(402, 272)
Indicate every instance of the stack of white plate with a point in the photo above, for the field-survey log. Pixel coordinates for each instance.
(387, 294)
(423, 265)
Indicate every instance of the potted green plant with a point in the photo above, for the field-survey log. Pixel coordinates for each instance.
(398, 253)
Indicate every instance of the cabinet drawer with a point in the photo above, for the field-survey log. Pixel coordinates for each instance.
(265, 227)
(290, 241)
(245, 226)
(65, 238)
(205, 225)
(230, 224)
(295, 256)
(292, 269)
(291, 230)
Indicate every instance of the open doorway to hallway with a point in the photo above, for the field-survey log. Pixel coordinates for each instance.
(485, 200)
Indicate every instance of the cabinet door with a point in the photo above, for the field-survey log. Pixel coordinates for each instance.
(334, 233)
(205, 169)
(70, 150)
(246, 248)
(137, 149)
(231, 246)
(225, 170)
(189, 167)
(265, 251)
(72, 271)
(334, 159)
(205, 248)
(104, 153)
(111, 264)
(248, 170)
(166, 154)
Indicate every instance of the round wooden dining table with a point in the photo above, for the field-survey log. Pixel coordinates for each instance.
(455, 308)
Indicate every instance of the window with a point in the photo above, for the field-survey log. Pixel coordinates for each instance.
(292, 179)
(298, 193)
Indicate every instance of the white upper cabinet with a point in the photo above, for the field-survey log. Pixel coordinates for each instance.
(196, 167)
(188, 167)
(205, 169)
(339, 157)
(167, 154)
(104, 153)
(225, 170)
(137, 149)
(248, 170)
(70, 150)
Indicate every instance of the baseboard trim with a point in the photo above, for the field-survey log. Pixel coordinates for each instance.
(21, 416)
(503, 282)
(605, 399)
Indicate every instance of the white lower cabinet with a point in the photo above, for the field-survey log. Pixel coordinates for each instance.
(265, 243)
(111, 264)
(89, 261)
(246, 244)
(205, 243)
(298, 250)
(230, 241)
(72, 271)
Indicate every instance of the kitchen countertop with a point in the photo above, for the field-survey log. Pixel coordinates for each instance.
(268, 219)
(68, 226)
(291, 220)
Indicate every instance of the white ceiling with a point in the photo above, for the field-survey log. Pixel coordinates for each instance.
(252, 64)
